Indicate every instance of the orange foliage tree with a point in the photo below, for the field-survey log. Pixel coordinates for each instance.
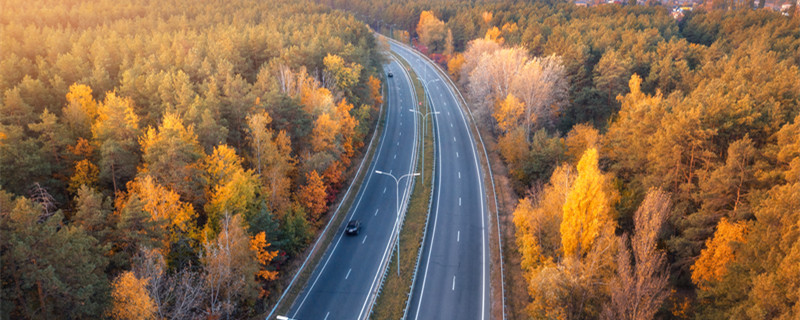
(712, 264)
(313, 196)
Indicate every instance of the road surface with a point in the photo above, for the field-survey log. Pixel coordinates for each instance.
(453, 277)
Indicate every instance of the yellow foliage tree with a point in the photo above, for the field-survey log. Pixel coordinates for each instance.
(85, 173)
(273, 161)
(130, 298)
(431, 31)
(347, 126)
(510, 27)
(494, 34)
(508, 113)
(345, 74)
(487, 17)
(172, 155)
(374, 85)
(712, 264)
(316, 100)
(587, 211)
(164, 205)
(323, 136)
(232, 189)
(455, 64)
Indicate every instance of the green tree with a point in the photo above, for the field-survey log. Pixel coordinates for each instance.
(50, 270)
(172, 155)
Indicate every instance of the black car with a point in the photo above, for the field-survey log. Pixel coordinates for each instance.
(353, 227)
(390, 75)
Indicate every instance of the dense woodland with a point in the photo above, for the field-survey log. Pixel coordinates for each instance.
(657, 161)
(164, 159)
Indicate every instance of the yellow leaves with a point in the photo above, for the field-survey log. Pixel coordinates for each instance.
(430, 29)
(513, 146)
(313, 195)
(455, 64)
(222, 164)
(324, 133)
(493, 34)
(258, 244)
(713, 262)
(510, 27)
(508, 113)
(374, 86)
(345, 74)
(130, 298)
(487, 17)
(347, 126)
(81, 96)
(85, 173)
(232, 189)
(316, 100)
(114, 113)
(587, 211)
(163, 204)
(527, 240)
(334, 131)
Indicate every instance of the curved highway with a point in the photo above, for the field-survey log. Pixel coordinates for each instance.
(453, 277)
(340, 286)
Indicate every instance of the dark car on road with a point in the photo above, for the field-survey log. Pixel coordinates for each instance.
(353, 227)
(390, 75)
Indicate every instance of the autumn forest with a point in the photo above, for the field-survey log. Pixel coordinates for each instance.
(175, 159)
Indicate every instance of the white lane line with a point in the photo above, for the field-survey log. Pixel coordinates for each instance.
(459, 201)
(459, 174)
(456, 154)
(458, 237)
(348, 273)
(376, 212)
(395, 156)
(454, 284)
(365, 239)
(384, 189)
(401, 133)
(398, 143)
(454, 139)
(451, 124)
(326, 315)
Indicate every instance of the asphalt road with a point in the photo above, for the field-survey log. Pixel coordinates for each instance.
(340, 285)
(453, 277)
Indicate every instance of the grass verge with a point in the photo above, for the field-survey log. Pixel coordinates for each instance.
(392, 300)
(327, 238)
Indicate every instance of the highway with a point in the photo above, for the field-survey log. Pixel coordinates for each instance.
(340, 286)
(453, 277)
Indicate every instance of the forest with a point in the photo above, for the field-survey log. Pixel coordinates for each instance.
(165, 159)
(656, 161)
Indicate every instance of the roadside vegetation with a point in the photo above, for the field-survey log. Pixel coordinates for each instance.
(651, 162)
(172, 159)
